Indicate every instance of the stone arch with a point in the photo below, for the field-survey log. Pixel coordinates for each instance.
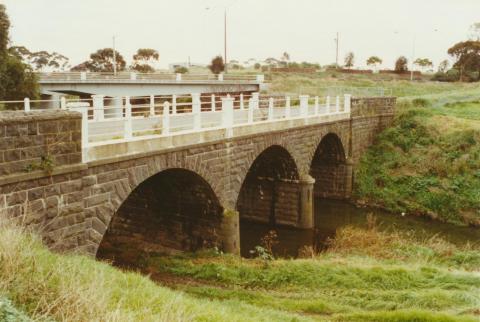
(245, 153)
(173, 210)
(271, 175)
(330, 168)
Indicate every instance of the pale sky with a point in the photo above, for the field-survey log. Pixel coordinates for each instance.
(256, 28)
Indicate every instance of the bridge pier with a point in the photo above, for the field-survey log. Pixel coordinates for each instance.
(306, 213)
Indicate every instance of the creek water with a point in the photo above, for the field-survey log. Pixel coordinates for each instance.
(331, 215)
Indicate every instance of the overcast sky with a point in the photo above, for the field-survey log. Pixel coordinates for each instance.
(256, 28)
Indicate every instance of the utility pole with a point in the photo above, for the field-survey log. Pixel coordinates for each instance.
(413, 57)
(225, 40)
(336, 53)
(114, 58)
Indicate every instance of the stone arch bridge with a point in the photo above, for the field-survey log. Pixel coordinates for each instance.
(185, 190)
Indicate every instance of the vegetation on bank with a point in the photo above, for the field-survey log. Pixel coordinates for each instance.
(427, 163)
(353, 281)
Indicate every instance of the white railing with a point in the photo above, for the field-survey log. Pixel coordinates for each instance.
(123, 119)
(56, 77)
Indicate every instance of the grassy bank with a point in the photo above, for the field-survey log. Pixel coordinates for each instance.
(354, 281)
(427, 163)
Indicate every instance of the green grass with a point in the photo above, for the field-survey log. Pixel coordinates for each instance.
(427, 163)
(347, 283)
(367, 275)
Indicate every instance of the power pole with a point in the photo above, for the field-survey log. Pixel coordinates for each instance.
(225, 40)
(114, 59)
(336, 54)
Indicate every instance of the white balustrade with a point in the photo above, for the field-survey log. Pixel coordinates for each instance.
(251, 107)
(288, 108)
(327, 105)
(260, 78)
(83, 76)
(241, 102)
(256, 100)
(128, 130)
(270, 109)
(63, 103)
(166, 118)
(213, 105)
(227, 115)
(174, 104)
(98, 107)
(152, 105)
(347, 103)
(303, 105)
(133, 76)
(337, 104)
(178, 77)
(317, 106)
(220, 77)
(26, 104)
(196, 106)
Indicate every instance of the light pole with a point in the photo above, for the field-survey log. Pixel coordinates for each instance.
(224, 35)
(114, 58)
(336, 51)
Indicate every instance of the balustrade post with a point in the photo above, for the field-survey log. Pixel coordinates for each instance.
(152, 105)
(304, 105)
(178, 77)
(26, 104)
(347, 103)
(288, 108)
(83, 76)
(98, 107)
(327, 105)
(213, 103)
(133, 76)
(227, 115)
(270, 109)
(196, 111)
(128, 130)
(174, 104)
(256, 100)
(337, 104)
(166, 118)
(260, 78)
(241, 102)
(63, 103)
(251, 106)
(317, 106)
(220, 77)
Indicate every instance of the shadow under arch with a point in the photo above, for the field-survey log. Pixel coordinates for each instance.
(330, 170)
(174, 210)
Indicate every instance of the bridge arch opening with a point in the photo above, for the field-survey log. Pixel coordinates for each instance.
(269, 197)
(330, 170)
(172, 211)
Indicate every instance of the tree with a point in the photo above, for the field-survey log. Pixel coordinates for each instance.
(475, 31)
(217, 65)
(40, 60)
(467, 55)
(401, 65)
(102, 61)
(257, 66)
(17, 80)
(423, 62)
(144, 60)
(349, 59)
(373, 61)
(443, 66)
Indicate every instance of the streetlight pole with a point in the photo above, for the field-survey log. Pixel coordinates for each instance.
(336, 52)
(114, 58)
(225, 38)
(413, 57)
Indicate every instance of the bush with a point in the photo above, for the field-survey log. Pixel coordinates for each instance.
(181, 70)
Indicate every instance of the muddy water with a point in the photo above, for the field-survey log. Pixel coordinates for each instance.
(333, 214)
